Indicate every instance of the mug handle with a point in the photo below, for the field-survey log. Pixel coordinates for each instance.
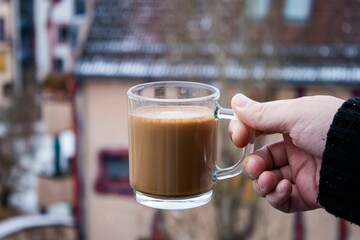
(234, 170)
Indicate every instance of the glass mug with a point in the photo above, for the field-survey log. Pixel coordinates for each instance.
(173, 143)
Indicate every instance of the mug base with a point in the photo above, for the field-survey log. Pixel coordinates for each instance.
(173, 203)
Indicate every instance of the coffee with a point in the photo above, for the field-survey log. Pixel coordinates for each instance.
(172, 150)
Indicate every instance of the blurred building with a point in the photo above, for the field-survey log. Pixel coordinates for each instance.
(25, 42)
(56, 25)
(17, 41)
(268, 49)
(38, 37)
(6, 50)
(37, 47)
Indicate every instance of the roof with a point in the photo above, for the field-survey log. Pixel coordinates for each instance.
(157, 39)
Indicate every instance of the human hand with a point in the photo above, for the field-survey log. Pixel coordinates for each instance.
(286, 173)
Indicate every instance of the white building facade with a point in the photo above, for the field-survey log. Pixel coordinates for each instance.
(56, 24)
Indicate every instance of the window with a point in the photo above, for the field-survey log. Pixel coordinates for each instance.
(2, 62)
(79, 7)
(257, 9)
(7, 89)
(297, 11)
(113, 173)
(2, 29)
(58, 64)
(115, 168)
(63, 34)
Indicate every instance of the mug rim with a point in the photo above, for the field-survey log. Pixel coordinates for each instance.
(215, 92)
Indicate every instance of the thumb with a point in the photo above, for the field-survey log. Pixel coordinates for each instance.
(268, 117)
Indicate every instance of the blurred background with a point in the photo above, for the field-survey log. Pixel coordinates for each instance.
(65, 67)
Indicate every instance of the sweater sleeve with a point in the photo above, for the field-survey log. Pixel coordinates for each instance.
(339, 186)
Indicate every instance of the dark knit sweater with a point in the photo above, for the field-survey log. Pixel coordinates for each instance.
(339, 187)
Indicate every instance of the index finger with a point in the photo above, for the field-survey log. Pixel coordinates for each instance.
(240, 134)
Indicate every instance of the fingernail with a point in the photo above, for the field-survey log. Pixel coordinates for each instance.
(258, 183)
(240, 100)
(280, 187)
(248, 171)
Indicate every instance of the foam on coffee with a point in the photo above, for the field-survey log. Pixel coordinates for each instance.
(177, 112)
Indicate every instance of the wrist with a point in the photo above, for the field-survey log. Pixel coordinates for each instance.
(341, 165)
